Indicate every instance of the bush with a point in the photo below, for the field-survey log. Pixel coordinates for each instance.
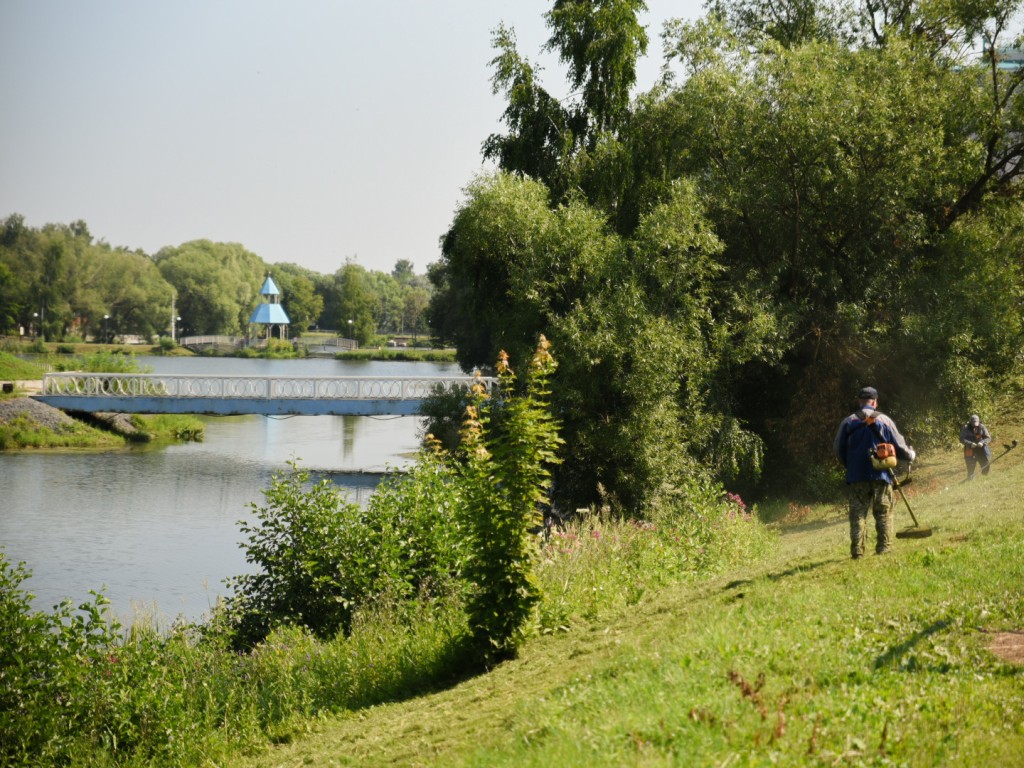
(443, 410)
(321, 558)
(47, 665)
(506, 477)
(109, 362)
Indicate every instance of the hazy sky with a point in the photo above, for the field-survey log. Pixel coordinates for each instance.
(309, 131)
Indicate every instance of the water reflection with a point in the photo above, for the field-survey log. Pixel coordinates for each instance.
(160, 525)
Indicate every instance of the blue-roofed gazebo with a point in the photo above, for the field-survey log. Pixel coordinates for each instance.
(269, 314)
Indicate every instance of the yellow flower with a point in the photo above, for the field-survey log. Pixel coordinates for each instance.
(503, 366)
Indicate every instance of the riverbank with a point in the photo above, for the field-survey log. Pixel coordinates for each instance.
(26, 423)
(414, 354)
(797, 656)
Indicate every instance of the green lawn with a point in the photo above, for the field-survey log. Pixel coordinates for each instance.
(805, 658)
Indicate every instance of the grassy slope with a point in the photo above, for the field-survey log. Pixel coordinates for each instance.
(806, 659)
(29, 435)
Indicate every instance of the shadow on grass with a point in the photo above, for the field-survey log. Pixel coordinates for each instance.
(896, 653)
(462, 660)
(816, 525)
(794, 571)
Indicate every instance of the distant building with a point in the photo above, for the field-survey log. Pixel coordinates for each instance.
(270, 314)
(1009, 59)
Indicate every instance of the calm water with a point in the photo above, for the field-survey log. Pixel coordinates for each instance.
(157, 529)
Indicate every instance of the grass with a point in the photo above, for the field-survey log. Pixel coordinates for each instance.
(801, 657)
(13, 368)
(408, 354)
(23, 432)
(763, 645)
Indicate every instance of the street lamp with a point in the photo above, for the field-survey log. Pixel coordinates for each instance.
(175, 321)
(105, 337)
(35, 319)
(350, 328)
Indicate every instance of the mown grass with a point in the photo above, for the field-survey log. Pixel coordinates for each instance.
(799, 657)
(709, 640)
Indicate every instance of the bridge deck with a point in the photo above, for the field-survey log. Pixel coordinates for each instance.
(234, 395)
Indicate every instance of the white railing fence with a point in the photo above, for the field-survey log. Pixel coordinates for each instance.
(254, 387)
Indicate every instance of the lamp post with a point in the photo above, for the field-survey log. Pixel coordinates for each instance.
(105, 336)
(175, 321)
(35, 320)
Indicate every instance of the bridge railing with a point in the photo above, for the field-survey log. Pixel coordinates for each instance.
(253, 387)
(205, 341)
(330, 341)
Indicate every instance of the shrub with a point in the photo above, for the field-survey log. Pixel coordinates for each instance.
(506, 477)
(321, 557)
(47, 662)
(109, 362)
(443, 410)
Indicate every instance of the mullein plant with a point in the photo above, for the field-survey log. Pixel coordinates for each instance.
(509, 444)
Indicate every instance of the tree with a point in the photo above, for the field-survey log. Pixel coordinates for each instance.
(500, 227)
(354, 303)
(835, 176)
(128, 287)
(386, 301)
(298, 296)
(404, 271)
(16, 274)
(790, 22)
(414, 310)
(600, 41)
(540, 136)
(217, 284)
(774, 229)
(634, 321)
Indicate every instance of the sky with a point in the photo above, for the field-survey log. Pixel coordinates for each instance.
(309, 131)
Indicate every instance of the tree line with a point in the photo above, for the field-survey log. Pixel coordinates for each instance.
(58, 283)
(817, 195)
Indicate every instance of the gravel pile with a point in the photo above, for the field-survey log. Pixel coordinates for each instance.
(44, 415)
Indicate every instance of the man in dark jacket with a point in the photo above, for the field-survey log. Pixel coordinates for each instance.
(869, 488)
(975, 438)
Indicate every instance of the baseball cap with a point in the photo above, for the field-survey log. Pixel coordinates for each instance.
(868, 393)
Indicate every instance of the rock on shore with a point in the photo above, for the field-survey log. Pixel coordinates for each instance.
(57, 421)
(42, 415)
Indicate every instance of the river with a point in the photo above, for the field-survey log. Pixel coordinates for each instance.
(156, 528)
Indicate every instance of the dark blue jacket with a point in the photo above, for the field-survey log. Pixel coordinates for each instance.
(856, 439)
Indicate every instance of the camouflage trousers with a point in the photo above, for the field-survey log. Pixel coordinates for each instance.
(876, 496)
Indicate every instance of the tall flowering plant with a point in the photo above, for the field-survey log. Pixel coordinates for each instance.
(509, 444)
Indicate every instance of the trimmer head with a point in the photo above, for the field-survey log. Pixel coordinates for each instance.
(914, 532)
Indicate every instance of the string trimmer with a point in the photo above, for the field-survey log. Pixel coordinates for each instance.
(1006, 450)
(915, 531)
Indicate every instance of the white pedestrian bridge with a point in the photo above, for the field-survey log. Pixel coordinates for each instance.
(234, 395)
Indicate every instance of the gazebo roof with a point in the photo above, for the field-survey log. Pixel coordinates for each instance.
(270, 288)
(269, 314)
